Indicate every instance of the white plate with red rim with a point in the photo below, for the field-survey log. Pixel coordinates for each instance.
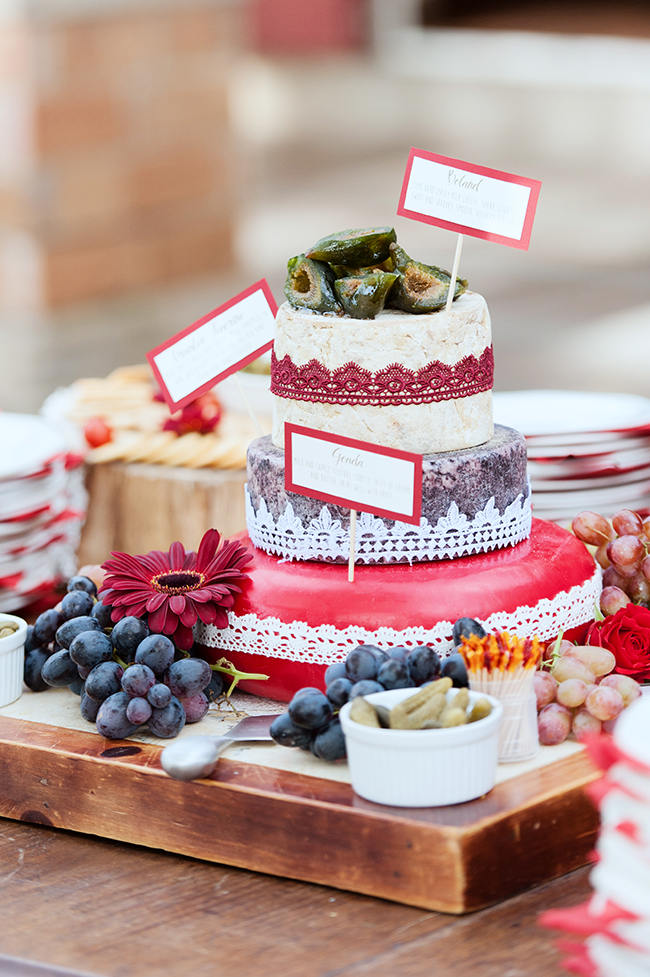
(566, 514)
(13, 600)
(563, 416)
(18, 528)
(586, 453)
(29, 444)
(38, 541)
(590, 499)
(609, 463)
(589, 482)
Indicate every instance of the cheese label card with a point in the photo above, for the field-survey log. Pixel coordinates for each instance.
(222, 342)
(469, 199)
(354, 474)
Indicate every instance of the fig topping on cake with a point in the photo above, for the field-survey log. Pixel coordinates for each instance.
(309, 285)
(363, 297)
(357, 273)
(356, 248)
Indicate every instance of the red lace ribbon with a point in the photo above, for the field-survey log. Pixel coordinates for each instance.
(394, 384)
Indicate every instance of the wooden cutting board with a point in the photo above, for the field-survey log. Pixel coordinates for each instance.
(528, 829)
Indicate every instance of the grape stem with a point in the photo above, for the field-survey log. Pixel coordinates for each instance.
(555, 652)
(598, 614)
(227, 668)
(123, 665)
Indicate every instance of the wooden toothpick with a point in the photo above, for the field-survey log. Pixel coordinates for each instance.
(353, 534)
(454, 272)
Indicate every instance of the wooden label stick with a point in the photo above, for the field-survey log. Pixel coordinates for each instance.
(247, 404)
(454, 272)
(353, 538)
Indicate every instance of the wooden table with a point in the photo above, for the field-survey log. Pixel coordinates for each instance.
(98, 907)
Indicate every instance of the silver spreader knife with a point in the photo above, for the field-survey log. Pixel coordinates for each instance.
(192, 757)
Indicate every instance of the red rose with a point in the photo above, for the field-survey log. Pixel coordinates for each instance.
(627, 635)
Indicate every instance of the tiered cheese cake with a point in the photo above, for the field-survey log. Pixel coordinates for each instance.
(372, 353)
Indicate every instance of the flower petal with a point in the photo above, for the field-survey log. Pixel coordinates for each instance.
(155, 601)
(156, 561)
(123, 583)
(125, 564)
(188, 617)
(177, 604)
(183, 637)
(207, 613)
(207, 548)
(176, 556)
(202, 595)
(158, 620)
(123, 600)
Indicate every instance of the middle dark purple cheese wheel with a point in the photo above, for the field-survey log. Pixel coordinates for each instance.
(473, 501)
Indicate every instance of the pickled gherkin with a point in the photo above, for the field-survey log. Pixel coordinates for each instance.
(481, 708)
(364, 297)
(309, 285)
(420, 288)
(355, 248)
(425, 705)
(363, 712)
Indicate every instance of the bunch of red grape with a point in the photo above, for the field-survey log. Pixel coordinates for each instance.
(578, 694)
(623, 551)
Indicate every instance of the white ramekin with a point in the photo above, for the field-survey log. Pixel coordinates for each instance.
(12, 659)
(422, 767)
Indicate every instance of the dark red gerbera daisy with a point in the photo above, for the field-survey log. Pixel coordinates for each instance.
(175, 589)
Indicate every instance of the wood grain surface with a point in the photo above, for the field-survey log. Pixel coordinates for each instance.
(454, 859)
(75, 904)
(136, 508)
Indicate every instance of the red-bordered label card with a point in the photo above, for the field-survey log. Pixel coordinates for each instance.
(354, 474)
(469, 199)
(212, 348)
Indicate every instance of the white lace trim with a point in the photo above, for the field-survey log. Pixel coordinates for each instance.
(323, 644)
(385, 541)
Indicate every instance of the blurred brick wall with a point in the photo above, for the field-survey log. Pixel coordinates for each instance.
(295, 27)
(117, 163)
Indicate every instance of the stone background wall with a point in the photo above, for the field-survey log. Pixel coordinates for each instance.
(117, 160)
(158, 156)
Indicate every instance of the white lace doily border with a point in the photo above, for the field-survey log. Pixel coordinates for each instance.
(323, 644)
(326, 539)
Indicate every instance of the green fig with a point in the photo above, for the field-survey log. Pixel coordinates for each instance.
(363, 297)
(420, 288)
(309, 285)
(355, 248)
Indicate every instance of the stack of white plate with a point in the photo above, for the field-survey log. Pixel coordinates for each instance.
(585, 450)
(42, 508)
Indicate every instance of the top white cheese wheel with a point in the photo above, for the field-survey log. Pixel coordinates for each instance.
(442, 361)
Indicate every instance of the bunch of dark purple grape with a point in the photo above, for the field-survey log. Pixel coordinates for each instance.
(127, 678)
(311, 721)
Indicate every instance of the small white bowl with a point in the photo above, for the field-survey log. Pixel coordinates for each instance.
(12, 660)
(422, 767)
